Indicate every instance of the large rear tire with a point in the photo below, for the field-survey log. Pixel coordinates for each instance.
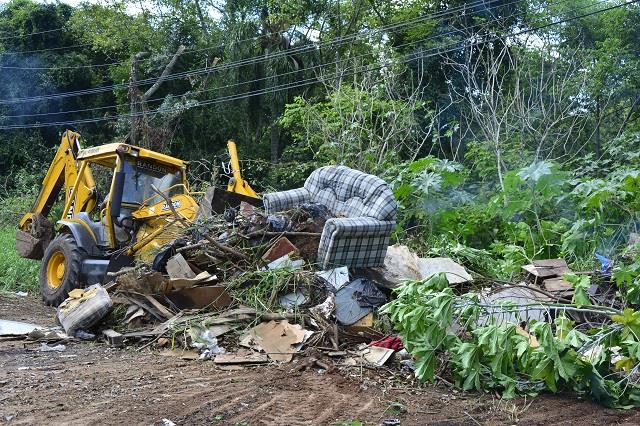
(60, 269)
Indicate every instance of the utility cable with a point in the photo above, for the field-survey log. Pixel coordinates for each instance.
(30, 34)
(231, 65)
(318, 66)
(255, 38)
(310, 81)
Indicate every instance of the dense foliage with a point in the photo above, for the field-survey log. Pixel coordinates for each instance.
(484, 352)
(508, 130)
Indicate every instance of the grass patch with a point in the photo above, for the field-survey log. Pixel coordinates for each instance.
(16, 273)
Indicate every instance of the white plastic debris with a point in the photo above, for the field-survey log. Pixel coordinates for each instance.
(57, 348)
(14, 328)
(401, 263)
(286, 262)
(206, 342)
(291, 300)
(84, 308)
(337, 277)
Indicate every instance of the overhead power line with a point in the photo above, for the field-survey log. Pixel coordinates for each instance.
(30, 34)
(242, 62)
(51, 49)
(242, 83)
(310, 81)
(255, 38)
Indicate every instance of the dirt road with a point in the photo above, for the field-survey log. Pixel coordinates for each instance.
(91, 383)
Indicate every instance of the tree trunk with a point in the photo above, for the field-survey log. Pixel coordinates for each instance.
(499, 165)
(598, 120)
(275, 136)
(203, 23)
(134, 96)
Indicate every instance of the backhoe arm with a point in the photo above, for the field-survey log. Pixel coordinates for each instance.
(63, 173)
(236, 183)
(36, 231)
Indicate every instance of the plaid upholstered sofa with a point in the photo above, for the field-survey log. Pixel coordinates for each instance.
(364, 208)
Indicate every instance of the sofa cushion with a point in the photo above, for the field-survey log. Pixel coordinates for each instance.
(351, 193)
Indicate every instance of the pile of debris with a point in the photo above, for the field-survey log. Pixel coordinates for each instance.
(241, 288)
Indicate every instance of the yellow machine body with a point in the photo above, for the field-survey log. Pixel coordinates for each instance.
(236, 183)
(71, 169)
(146, 205)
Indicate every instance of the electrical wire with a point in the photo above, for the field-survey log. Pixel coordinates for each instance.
(231, 65)
(255, 38)
(307, 82)
(318, 66)
(31, 34)
(51, 49)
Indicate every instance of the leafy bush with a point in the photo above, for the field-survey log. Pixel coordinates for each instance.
(485, 353)
(16, 273)
(443, 215)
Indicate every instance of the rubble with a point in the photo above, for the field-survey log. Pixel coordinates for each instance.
(241, 289)
(16, 328)
(235, 288)
(400, 263)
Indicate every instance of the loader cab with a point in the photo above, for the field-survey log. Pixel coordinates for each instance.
(122, 203)
(134, 173)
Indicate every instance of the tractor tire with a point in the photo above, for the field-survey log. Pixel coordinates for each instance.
(60, 269)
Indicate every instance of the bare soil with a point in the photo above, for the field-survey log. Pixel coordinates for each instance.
(92, 383)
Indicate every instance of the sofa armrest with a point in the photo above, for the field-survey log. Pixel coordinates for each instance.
(284, 200)
(354, 242)
(356, 226)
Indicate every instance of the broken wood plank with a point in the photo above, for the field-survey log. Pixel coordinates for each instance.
(241, 358)
(281, 247)
(159, 306)
(200, 297)
(557, 284)
(178, 267)
(547, 268)
(113, 337)
(131, 297)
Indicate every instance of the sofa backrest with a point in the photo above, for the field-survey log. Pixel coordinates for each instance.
(351, 193)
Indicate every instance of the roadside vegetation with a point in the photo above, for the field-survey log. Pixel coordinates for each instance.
(508, 130)
(18, 274)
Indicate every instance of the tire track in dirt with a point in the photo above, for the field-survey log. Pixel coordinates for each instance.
(91, 383)
(318, 401)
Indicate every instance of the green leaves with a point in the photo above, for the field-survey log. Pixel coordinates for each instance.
(482, 354)
(627, 278)
(630, 319)
(581, 285)
(422, 313)
(423, 189)
(532, 190)
(535, 171)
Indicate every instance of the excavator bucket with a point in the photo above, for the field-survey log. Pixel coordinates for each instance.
(32, 244)
(225, 200)
(218, 201)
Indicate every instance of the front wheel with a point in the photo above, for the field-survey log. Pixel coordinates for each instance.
(60, 269)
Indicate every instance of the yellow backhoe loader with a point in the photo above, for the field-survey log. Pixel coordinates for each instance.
(122, 203)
